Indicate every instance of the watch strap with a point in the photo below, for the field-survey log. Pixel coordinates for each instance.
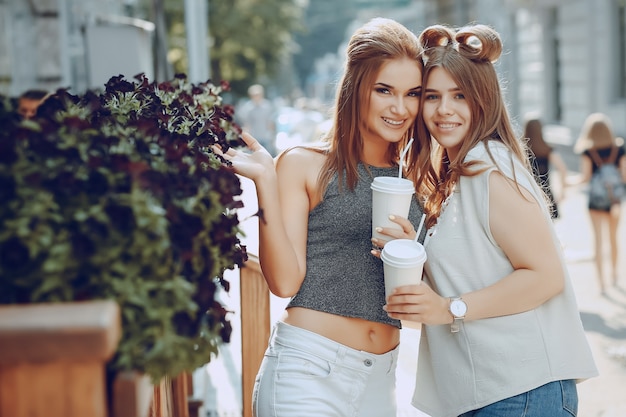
(455, 326)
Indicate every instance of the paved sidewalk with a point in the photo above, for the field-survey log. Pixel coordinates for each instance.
(603, 316)
(604, 319)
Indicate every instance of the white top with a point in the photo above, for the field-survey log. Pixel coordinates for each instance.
(496, 358)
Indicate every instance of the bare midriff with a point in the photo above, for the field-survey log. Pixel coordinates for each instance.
(359, 334)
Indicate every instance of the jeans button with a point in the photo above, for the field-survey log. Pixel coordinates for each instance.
(367, 362)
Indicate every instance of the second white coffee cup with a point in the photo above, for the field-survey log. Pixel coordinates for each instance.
(403, 263)
(390, 195)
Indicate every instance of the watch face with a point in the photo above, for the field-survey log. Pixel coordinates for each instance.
(458, 308)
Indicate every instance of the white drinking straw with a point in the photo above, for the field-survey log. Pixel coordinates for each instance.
(404, 151)
(419, 228)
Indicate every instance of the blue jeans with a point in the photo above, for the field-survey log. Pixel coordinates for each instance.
(304, 374)
(555, 399)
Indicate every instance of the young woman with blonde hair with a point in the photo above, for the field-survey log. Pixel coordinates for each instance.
(334, 353)
(501, 332)
(598, 145)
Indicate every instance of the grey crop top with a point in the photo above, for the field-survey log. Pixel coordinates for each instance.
(342, 277)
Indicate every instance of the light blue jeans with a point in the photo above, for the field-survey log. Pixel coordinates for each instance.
(304, 374)
(555, 399)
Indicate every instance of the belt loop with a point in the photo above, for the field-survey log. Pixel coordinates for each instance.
(272, 334)
(393, 359)
(341, 353)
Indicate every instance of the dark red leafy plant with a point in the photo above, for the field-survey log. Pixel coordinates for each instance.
(117, 195)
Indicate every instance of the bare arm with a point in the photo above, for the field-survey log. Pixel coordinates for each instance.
(557, 162)
(586, 168)
(284, 206)
(282, 241)
(527, 241)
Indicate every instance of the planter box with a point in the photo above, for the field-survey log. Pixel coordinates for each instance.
(54, 357)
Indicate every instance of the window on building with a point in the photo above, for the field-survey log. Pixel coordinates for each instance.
(621, 48)
(553, 62)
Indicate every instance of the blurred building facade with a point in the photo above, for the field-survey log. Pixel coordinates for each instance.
(76, 44)
(563, 58)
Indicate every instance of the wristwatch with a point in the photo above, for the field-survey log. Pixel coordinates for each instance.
(458, 309)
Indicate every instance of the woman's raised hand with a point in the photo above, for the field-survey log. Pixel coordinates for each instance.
(253, 164)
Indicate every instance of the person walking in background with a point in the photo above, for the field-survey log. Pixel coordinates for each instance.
(334, 352)
(306, 128)
(501, 333)
(29, 101)
(598, 146)
(258, 118)
(543, 159)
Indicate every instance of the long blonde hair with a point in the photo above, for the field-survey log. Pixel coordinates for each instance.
(467, 54)
(375, 43)
(596, 133)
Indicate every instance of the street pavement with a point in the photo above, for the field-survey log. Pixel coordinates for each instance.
(603, 316)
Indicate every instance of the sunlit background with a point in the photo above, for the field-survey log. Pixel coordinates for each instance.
(563, 60)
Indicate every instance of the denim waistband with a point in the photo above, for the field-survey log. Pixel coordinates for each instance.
(307, 341)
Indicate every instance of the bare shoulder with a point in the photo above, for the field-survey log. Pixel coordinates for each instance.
(301, 160)
(299, 168)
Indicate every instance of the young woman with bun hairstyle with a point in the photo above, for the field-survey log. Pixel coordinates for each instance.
(501, 332)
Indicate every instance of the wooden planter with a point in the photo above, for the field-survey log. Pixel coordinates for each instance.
(53, 358)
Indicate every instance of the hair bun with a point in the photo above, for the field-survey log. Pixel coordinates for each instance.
(476, 42)
(436, 35)
(479, 43)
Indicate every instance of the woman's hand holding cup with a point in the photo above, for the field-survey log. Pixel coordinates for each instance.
(405, 231)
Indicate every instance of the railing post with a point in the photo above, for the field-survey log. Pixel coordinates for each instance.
(255, 326)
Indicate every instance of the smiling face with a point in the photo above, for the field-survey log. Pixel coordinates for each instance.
(393, 102)
(446, 112)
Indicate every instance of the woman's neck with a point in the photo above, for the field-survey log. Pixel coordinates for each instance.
(376, 156)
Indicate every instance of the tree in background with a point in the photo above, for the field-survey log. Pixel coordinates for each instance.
(250, 39)
(253, 42)
(326, 23)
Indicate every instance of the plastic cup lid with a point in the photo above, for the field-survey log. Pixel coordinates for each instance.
(393, 184)
(403, 252)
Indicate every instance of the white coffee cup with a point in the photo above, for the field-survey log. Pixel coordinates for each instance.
(403, 263)
(390, 195)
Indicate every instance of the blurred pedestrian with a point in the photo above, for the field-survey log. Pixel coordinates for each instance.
(598, 145)
(306, 128)
(543, 159)
(501, 331)
(29, 101)
(335, 350)
(258, 117)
